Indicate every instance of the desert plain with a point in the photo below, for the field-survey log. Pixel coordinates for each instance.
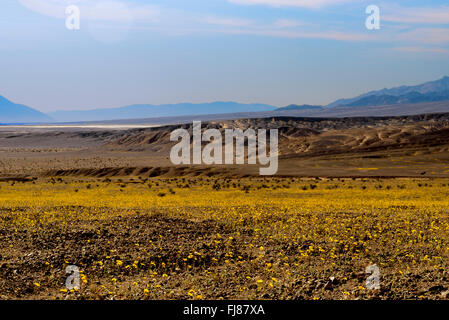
(350, 193)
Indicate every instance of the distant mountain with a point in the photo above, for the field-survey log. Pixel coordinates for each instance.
(412, 97)
(430, 88)
(431, 93)
(152, 111)
(300, 107)
(17, 113)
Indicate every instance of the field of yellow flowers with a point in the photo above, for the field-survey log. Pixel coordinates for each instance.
(213, 238)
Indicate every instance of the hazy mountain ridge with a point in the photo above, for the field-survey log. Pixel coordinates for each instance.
(11, 112)
(300, 107)
(440, 85)
(152, 111)
(409, 99)
(412, 97)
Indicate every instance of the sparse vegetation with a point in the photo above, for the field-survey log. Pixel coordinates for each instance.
(199, 243)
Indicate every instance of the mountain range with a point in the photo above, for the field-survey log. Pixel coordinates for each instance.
(411, 97)
(431, 89)
(11, 112)
(300, 107)
(429, 92)
(152, 111)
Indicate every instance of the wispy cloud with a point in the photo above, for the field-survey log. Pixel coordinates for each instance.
(292, 3)
(95, 10)
(182, 23)
(281, 28)
(296, 34)
(287, 23)
(421, 50)
(230, 22)
(426, 35)
(428, 15)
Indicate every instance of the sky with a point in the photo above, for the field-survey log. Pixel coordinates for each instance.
(277, 52)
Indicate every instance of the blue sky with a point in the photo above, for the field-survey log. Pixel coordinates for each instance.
(167, 51)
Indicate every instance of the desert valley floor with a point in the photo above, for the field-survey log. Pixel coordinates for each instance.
(349, 193)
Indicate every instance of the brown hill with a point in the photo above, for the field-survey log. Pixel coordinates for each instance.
(361, 146)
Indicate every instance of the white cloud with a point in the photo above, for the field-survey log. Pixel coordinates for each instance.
(180, 23)
(282, 28)
(94, 10)
(293, 34)
(421, 50)
(426, 35)
(287, 23)
(292, 3)
(417, 15)
(230, 22)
